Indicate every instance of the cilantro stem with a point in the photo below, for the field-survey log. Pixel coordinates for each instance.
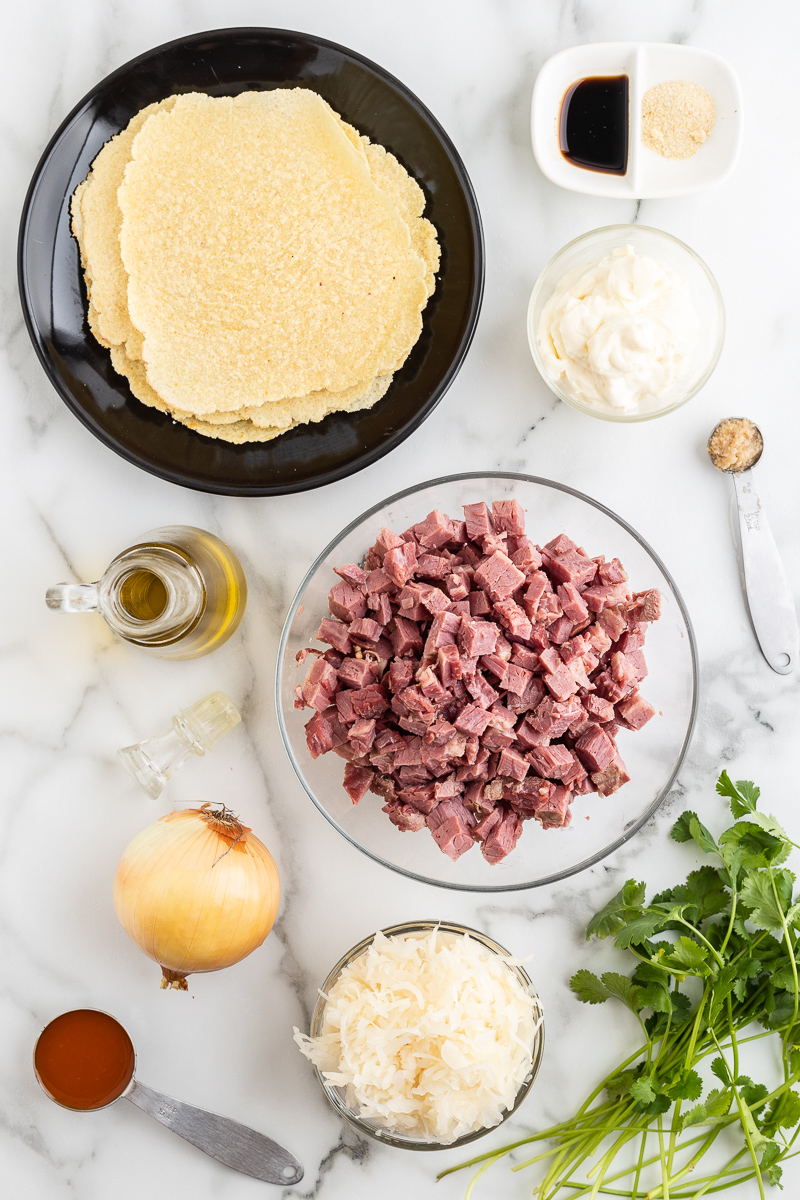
(792, 963)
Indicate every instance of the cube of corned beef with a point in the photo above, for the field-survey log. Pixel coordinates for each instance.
(380, 604)
(460, 608)
(550, 660)
(449, 664)
(413, 775)
(512, 764)
(553, 718)
(476, 637)
(422, 796)
(517, 679)
(560, 545)
(555, 813)
(482, 691)
(609, 688)
(347, 602)
(472, 720)
(324, 731)
(597, 637)
(458, 584)
(469, 554)
(362, 736)
(494, 542)
(560, 630)
(379, 581)
(446, 789)
(497, 739)
(514, 619)
(551, 762)
(610, 572)
(434, 598)
(537, 587)
(357, 781)
(435, 531)
(365, 632)
(370, 701)
(353, 574)
(574, 774)
(478, 521)
(504, 648)
(595, 749)
(509, 515)
(417, 702)
(387, 540)
(635, 710)
(451, 825)
(582, 787)
(439, 733)
(528, 736)
(383, 785)
(494, 664)
(443, 630)
(501, 718)
(319, 684)
(299, 699)
(612, 778)
(404, 816)
(598, 708)
(336, 634)
(399, 563)
(573, 603)
(572, 567)
(623, 671)
(613, 621)
(526, 557)
(605, 595)
(521, 656)
(431, 686)
(645, 606)
(487, 823)
(479, 604)
(459, 537)
(406, 638)
(547, 610)
(498, 576)
(502, 839)
(401, 673)
(432, 566)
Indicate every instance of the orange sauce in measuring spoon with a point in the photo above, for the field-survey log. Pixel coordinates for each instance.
(84, 1059)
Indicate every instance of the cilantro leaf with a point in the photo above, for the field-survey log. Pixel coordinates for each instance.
(743, 795)
(687, 957)
(623, 988)
(695, 1116)
(688, 1087)
(720, 1068)
(588, 988)
(619, 1085)
(620, 909)
(638, 929)
(783, 1113)
(757, 894)
(642, 1090)
(688, 825)
(751, 847)
(656, 996)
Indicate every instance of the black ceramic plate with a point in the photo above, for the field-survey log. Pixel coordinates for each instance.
(223, 63)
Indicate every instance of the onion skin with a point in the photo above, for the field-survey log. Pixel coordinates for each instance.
(196, 891)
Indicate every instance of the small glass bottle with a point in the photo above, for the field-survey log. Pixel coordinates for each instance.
(194, 730)
(179, 593)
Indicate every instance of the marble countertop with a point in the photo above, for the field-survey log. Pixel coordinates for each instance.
(72, 693)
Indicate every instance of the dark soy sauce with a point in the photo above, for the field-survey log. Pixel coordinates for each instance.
(593, 131)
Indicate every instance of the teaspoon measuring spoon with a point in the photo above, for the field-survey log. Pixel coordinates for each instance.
(769, 596)
(85, 1061)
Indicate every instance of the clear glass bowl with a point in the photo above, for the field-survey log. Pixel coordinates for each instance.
(337, 1096)
(706, 299)
(653, 755)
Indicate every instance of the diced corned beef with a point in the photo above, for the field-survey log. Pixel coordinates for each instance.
(381, 649)
(387, 540)
(609, 688)
(324, 731)
(494, 542)
(635, 710)
(479, 604)
(517, 679)
(645, 606)
(380, 604)
(433, 566)
(478, 521)
(514, 619)
(613, 621)
(299, 699)
(460, 607)
(547, 610)
(508, 515)
(410, 753)
(435, 531)
(335, 634)
(550, 660)
(357, 781)
(495, 664)
(501, 718)
(370, 701)
(560, 630)
(498, 576)
(622, 670)
(612, 778)
(384, 785)
(573, 603)
(610, 572)
(555, 812)
(447, 788)
(365, 631)
(362, 736)
(451, 825)
(597, 636)
(347, 602)
(561, 683)
(319, 684)
(512, 764)
(605, 595)
(431, 686)
(405, 638)
(434, 598)
(443, 630)
(538, 586)
(597, 707)
(552, 762)
(595, 749)
(422, 797)
(379, 581)
(353, 574)
(528, 736)
(497, 739)
(503, 838)
(399, 563)
(487, 824)
(476, 637)
(439, 733)
(475, 798)
(572, 567)
(404, 816)
(521, 656)
(459, 537)
(449, 664)
(472, 720)
(401, 673)
(417, 702)
(504, 648)
(560, 545)
(411, 776)
(554, 719)
(527, 558)
(582, 787)
(458, 585)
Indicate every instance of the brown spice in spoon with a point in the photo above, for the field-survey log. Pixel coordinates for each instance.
(735, 444)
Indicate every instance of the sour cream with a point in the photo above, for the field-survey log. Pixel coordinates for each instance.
(619, 333)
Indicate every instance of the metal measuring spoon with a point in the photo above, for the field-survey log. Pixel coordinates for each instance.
(769, 597)
(66, 1076)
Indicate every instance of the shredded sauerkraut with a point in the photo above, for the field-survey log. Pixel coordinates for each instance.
(430, 1034)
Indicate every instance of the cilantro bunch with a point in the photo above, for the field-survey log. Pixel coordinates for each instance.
(728, 965)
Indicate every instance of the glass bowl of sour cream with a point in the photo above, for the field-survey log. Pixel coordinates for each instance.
(626, 323)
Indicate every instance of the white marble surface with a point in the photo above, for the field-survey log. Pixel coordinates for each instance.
(72, 694)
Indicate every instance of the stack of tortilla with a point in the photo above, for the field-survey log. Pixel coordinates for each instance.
(251, 262)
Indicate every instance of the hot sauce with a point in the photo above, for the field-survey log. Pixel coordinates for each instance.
(84, 1059)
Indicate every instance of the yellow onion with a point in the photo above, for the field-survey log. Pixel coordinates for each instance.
(196, 891)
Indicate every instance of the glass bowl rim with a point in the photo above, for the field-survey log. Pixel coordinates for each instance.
(537, 1051)
(626, 834)
(574, 402)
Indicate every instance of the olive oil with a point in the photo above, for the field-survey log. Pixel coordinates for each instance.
(143, 595)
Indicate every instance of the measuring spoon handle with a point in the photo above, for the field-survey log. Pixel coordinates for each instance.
(769, 597)
(227, 1141)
